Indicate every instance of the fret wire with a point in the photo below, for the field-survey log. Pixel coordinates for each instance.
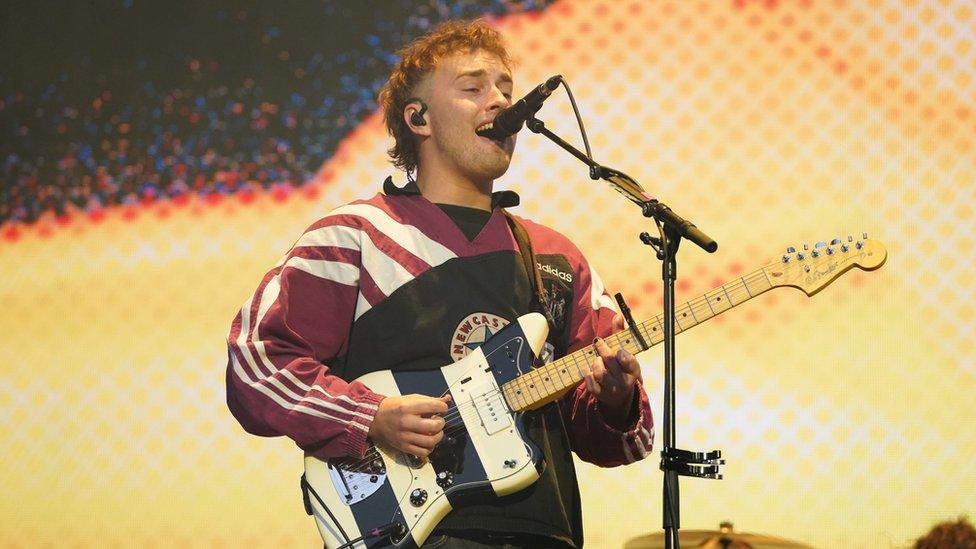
(701, 304)
(708, 302)
(576, 363)
(746, 286)
(728, 297)
(677, 323)
(523, 389)
(560, 369)
(540, 382)
(517, 399)
(576, 357)
(741, 285)
(532, 384)
(565, 373)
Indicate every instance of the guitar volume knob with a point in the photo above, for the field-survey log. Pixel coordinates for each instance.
(418, 497)
(445, 479)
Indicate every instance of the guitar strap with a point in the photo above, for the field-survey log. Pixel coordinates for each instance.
(538, 303)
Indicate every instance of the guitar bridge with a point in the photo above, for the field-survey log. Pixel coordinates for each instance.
(356, 485)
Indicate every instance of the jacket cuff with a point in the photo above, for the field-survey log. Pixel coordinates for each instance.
(634, 419)
(354, 441)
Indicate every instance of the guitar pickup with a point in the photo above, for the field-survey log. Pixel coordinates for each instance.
(491, 409)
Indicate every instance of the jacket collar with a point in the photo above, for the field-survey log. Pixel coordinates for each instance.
(499, 199)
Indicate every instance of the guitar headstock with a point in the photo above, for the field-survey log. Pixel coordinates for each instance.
(812, 268)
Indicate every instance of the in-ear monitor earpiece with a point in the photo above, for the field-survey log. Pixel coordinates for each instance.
(417, 117)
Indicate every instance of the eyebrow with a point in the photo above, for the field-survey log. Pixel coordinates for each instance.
(481, 72)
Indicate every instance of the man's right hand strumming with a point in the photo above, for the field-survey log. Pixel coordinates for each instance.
(413, 424)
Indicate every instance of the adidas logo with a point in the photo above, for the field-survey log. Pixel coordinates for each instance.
(561, 275)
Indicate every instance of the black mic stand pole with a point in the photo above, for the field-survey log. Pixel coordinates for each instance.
(671, 228)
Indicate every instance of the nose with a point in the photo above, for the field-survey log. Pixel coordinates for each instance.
(497, 99)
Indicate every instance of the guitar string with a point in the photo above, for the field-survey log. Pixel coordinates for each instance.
(692, 305)
(454, 427)
(454, 423)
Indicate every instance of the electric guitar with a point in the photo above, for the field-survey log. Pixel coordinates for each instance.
(395, 500)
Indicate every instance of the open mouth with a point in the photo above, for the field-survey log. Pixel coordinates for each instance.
(484, 131)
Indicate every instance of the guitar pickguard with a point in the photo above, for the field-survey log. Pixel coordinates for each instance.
(485, 451)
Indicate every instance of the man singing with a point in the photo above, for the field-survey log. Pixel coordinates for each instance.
(413, 279)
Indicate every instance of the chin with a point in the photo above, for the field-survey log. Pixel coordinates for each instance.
(496, 171)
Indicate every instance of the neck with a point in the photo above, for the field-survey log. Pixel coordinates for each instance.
(443, 187)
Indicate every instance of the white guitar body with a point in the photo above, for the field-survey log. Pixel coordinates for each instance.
(485, 452)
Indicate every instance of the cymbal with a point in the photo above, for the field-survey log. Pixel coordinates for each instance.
(723, 538)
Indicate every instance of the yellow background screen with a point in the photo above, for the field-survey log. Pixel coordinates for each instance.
(847, 418)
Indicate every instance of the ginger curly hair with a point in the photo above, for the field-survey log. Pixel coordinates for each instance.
(417, 60)
(949, 535)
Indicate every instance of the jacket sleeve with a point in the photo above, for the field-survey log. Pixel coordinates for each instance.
(281, 341)
(593, 439)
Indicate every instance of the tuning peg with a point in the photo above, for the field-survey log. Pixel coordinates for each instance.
(850, 238)
(806, 246)
(800, 256)
(844, 248)
(815, 253)
(806, 268)
(790, 250)
(864, 236)
(859, 245)
(820, 244)
(786, 259)
(835, 242)
(830, 251)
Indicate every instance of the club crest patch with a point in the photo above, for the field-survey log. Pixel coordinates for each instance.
(474, 330)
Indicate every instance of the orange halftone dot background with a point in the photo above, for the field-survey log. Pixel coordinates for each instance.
(847, 418)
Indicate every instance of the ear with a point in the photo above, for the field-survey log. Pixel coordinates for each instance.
(413, 114)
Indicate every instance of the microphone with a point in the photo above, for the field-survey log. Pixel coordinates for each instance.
(510, 120)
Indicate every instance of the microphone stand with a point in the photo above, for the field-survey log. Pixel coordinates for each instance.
(671, 229)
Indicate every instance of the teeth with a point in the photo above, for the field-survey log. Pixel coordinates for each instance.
(485, 127)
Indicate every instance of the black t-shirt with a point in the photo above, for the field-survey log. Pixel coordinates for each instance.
(469, 220)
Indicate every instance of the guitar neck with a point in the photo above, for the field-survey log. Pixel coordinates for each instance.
(549, 382)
